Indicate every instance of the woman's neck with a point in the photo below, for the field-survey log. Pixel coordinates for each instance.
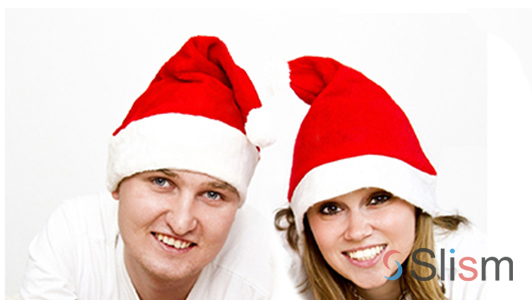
(391, 290)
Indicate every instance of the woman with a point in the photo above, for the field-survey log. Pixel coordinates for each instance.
(362, 194)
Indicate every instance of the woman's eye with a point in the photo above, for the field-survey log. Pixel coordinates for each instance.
(213, 195)
(160, 181)
(379, 199)
(330, 209)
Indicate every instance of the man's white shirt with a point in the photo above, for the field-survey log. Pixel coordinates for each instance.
(79, 255)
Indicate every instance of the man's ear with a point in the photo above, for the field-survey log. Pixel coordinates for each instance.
(115, 194)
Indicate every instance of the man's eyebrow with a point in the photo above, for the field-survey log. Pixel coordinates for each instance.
(168, 172)
(222, 185)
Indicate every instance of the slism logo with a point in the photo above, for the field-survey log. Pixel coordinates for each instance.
(399, 267)
(469, 268)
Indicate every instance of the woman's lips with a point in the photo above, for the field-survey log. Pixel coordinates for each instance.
(365, 257)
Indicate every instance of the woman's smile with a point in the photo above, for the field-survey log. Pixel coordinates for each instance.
(355, 230)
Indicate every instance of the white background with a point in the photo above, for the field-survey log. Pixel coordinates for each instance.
(71, 76)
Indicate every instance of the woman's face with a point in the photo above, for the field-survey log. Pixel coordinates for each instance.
(354, 231)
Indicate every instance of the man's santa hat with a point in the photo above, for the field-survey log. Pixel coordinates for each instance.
(353, 136)
(195, 115)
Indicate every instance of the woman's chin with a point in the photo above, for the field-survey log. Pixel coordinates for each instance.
(368, 284)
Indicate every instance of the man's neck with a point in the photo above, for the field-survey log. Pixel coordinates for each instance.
(150, 287)
(150, 290)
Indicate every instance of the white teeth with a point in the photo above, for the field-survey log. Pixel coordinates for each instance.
(366, 254)
(181, 244)
(172, 242)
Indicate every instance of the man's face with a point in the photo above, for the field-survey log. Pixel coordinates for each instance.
(173, 223)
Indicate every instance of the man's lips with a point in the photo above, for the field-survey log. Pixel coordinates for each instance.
(173, 241)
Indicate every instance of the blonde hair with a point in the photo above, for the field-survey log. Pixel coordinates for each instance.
(326, 283)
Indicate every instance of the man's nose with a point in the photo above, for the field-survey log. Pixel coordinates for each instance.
(182, 217)
(359, 226)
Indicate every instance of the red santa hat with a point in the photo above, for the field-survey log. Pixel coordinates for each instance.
(353, 136)
(195, 115)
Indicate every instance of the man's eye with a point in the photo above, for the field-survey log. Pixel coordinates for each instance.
(330, 209)
(160, 181)
(379, 199)
(213, 195)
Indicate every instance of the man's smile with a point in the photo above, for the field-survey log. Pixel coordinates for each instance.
(173, 242)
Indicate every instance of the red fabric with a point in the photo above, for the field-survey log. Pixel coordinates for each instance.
(200, 79)
(349, 116)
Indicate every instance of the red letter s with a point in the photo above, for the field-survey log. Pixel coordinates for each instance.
(470, 269)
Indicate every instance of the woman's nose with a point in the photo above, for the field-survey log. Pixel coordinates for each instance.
(359, 226)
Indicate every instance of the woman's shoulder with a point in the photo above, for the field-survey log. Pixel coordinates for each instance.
(451, 248)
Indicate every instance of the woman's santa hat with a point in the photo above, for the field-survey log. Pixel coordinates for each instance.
(195, 116)
(353, 136)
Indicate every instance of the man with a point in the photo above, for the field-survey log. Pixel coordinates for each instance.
(178, 167)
